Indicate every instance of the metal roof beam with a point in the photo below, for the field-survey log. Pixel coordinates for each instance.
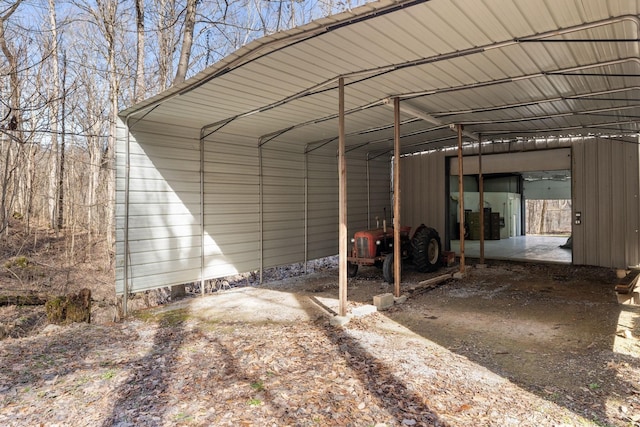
(427, 117)
(550, 116)
(497, 132)
(477, 85)
(584, 97)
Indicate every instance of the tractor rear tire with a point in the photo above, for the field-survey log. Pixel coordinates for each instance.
(352, 269)
(387, 268)
(426, 249)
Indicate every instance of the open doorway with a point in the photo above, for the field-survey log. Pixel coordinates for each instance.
(527, 215)
(547, 196)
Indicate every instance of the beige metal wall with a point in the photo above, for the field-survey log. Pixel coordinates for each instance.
(606, 186)
(300, 199)
(525, 161)
(422, 189)
(231, 206)
(262, 207)
(606, 192)
(164, 206)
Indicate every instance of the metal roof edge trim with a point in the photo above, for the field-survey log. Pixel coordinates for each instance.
(282, 39)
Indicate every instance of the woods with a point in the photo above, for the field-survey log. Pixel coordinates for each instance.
(68, 67)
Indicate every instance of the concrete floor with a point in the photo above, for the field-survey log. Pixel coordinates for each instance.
(520, 248)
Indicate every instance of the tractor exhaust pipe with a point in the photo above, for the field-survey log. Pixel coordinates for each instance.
(384, 221)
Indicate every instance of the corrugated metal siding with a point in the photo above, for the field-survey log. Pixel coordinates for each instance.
(231, 205)
(165, 233)
(606, 187)
(422, 186)
(164, 206)
(364, 201)
(283, 171)
(323, 202)
(632, 197)
(380, 189)
(527, 161)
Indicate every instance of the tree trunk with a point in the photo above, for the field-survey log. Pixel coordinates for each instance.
(60, 202)
(54, 190)
(543, 213)
(140, 89)
(21, 300)
(69, 309)
(187, 42)
(14, 127)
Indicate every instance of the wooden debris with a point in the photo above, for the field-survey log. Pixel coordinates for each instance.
(22, 300)
(628, 283)
(430, 283)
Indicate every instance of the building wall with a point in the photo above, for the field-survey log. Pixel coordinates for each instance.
(164, 206)
(423, 190)
(606, 186)
(231, 206)
(288, 171)
(606, 192)
(262, 207)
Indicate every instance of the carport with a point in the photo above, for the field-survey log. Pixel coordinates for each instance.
(280, 151)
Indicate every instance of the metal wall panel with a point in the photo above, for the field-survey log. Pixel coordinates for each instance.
(606, 187)
(423, 190)
(632, 199)
(286, 228)
(163, 206)
(231, 205)
(528, 161)
(322, 184)
(283, 203)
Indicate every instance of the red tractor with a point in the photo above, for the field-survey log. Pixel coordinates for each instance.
(375, 247)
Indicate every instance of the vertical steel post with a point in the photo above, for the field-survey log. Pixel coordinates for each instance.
(342, 202)
(202, 231)
(260, 209)
(127, 178)
(461, 197)
(397, 253)
(306, 209)
(481, 185)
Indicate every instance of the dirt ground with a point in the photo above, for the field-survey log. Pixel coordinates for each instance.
(511, 344)
(554, 330)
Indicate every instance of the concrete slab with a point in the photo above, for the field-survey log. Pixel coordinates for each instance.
(250, 305)
(519, 248)
(363, 310)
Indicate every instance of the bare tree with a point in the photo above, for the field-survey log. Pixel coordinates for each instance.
(104, 15)
(140, 87)
(187, 41)
(12, 129)
(54, 189)
(165, 40)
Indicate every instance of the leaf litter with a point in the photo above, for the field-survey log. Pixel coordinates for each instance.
(179, 367)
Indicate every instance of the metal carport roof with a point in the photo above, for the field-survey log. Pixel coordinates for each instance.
(502, 68)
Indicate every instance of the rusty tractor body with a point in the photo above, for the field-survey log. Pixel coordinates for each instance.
(375, 247)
